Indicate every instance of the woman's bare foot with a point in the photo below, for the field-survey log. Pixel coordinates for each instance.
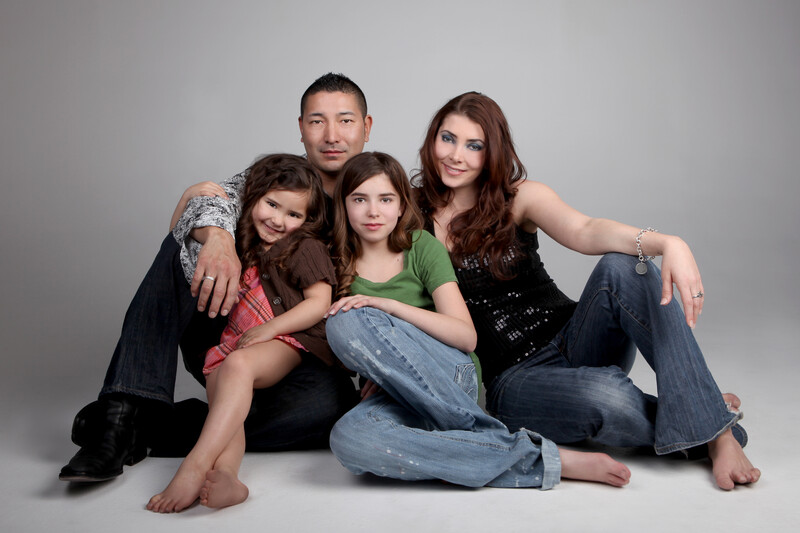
(181, 492)
(222, 489)
(732, 401)
(593, 467)
(729, 463)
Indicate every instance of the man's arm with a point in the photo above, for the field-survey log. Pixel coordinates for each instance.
(206, 232)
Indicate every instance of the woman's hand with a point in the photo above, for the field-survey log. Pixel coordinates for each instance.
(254, 335)
(359, 300)
(678, 267)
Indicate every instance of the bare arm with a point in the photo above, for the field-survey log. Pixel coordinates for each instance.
(316, 300)
(450, 323)
(538, 206)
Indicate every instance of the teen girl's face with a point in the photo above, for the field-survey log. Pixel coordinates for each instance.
(373, 209)
(460, 151)
(278, 213)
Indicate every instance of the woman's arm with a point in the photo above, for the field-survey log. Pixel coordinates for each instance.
(450, 323)
(316, 300)
(538, 206)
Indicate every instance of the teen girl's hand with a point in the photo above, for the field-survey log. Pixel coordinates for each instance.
(368, 389)
(358, 301)
(254, 335)
(678, 267)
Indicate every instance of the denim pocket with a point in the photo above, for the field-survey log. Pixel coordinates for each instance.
(467, 378)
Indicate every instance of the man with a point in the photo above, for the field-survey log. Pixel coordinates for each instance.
(184, 300)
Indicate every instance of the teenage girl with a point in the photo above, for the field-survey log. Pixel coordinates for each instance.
(285, 289)
(401, 322)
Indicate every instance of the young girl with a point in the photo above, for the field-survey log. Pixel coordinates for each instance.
(405, 327)
(285, 287)
(551, 363)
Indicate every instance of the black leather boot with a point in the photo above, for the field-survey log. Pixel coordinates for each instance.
(106, 431)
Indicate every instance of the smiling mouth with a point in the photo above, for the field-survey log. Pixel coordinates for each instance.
(452, 171)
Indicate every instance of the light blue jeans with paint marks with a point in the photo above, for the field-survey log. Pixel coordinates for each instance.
(425, 423)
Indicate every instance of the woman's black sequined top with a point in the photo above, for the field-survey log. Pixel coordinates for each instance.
(517, 317)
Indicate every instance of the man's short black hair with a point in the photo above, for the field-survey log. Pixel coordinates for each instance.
(335, 83)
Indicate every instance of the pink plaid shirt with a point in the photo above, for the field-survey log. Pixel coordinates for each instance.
(252, 310)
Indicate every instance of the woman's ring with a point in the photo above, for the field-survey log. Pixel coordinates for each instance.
(699, 294)
(212, 279)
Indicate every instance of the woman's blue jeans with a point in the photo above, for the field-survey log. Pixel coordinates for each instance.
(425, 423)
(577, 387)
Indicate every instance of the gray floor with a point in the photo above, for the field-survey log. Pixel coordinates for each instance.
(310, 491)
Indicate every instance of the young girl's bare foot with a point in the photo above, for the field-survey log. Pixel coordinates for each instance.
(593, 467)
(181, 492)
(729, 463)
(222, 489)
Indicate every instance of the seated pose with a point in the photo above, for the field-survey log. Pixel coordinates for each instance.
(185, 299)
(551, 364)
(405, 327)
(285, 290)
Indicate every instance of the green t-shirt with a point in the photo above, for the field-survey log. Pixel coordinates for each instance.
(426, 267)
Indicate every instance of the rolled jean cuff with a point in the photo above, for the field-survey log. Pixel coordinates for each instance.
(551, 460)
(682, 446)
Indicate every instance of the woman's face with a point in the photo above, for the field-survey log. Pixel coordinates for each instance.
(459, 151)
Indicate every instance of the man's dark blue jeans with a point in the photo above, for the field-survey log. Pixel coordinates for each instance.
(296, 413)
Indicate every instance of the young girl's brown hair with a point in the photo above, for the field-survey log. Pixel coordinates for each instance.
(346, 243)
(284, 172)
(488, 229)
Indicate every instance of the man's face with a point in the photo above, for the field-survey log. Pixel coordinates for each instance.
(333, 130)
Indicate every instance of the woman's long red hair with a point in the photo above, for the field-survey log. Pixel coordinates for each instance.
(488, 229)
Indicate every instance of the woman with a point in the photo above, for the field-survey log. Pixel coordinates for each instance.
(550, 364)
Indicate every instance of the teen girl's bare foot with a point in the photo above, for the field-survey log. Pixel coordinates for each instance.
(730, 466)
(181, 492)
(593, 467)
(222, 489)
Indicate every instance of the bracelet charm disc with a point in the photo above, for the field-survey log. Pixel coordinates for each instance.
(641, 268)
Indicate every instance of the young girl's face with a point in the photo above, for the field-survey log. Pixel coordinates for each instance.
(278, 213)
(373, 209)
(460, 151)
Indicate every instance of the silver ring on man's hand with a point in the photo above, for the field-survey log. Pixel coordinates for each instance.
(212, 279)
(698, 295)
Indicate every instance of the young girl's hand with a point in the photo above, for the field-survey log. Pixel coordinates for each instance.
(358, 301)
(204, 188)
(254, 335)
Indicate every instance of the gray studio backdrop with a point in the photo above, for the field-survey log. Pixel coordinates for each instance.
(680, 115)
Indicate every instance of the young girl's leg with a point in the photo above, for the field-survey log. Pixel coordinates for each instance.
(222, 487)
(257, 366)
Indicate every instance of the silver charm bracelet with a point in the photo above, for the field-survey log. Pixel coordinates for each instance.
(641, 266)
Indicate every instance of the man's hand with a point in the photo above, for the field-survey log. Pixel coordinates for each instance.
(217, 273)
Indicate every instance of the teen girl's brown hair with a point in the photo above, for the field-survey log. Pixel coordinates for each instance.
(346, 243)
